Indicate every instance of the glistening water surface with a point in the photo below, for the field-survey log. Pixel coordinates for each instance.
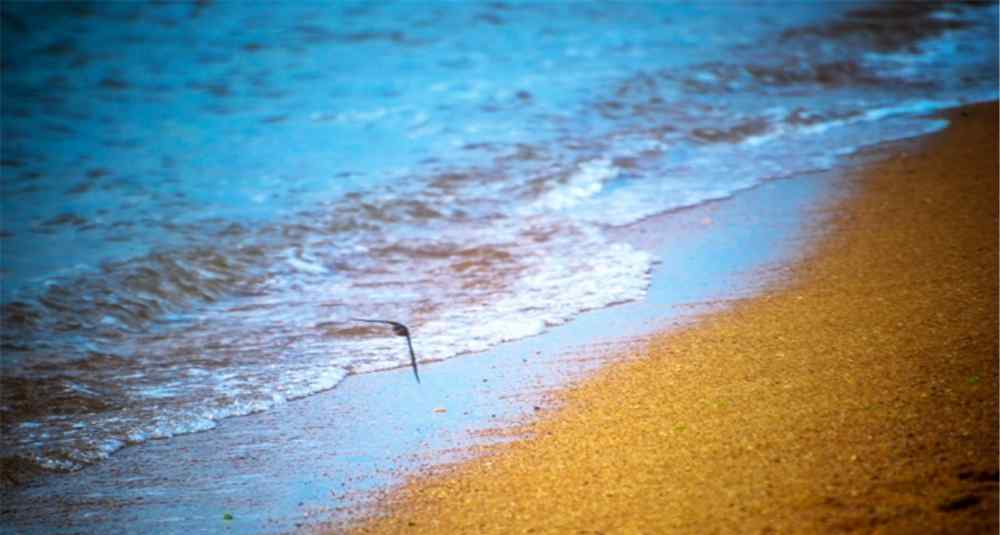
(196, 198)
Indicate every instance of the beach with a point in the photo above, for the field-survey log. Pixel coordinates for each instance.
(687, 270)
(859, 393)
(330, 457)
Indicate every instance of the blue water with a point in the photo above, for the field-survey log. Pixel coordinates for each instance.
(197, 197)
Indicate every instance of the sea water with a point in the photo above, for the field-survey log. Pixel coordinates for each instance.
(196, 198)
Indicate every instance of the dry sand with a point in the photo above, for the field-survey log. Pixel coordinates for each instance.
(860, 395)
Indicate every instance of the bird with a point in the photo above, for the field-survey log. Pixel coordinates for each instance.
(399, 330)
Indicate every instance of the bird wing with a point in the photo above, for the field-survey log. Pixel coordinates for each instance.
(395, 324)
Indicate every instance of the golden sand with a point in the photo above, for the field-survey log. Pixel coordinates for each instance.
(859, 396)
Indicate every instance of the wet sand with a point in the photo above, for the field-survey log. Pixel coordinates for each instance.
(860, 394)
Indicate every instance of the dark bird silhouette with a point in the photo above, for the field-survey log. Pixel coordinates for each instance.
(399, 330)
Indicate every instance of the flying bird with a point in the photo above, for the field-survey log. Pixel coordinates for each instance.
(399, 330)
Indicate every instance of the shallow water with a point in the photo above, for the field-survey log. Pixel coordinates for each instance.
(196, 198)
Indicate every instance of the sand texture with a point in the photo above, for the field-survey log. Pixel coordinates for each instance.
(859, 395)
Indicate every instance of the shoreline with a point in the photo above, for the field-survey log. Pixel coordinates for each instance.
(333, 454)
(859, 394)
